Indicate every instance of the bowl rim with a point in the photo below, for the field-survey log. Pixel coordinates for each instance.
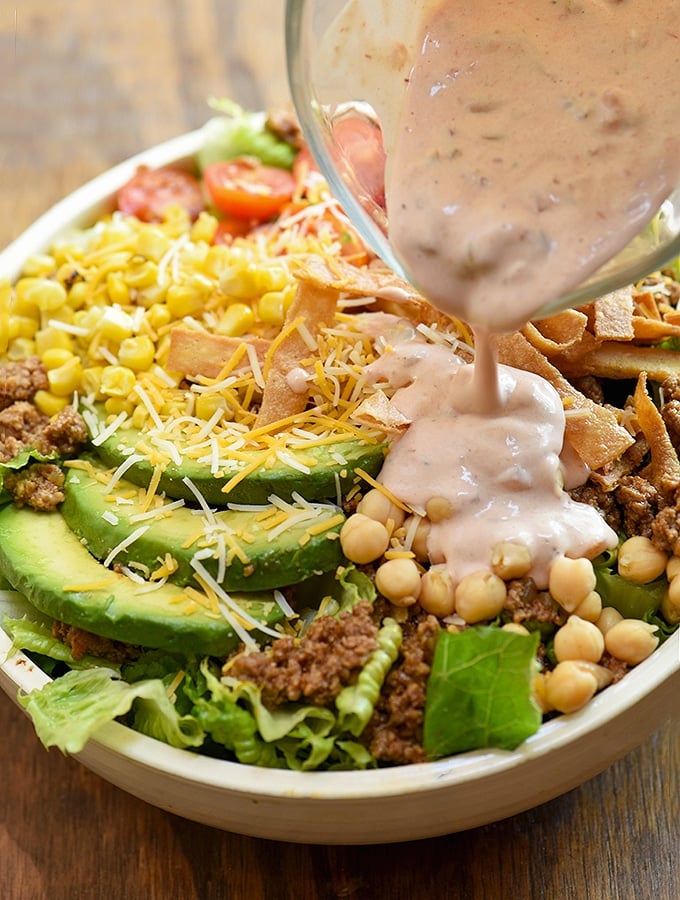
(19, 675)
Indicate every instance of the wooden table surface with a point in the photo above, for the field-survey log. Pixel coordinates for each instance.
(84, 84)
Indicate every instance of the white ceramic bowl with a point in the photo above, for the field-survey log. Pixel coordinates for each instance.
(397, 804)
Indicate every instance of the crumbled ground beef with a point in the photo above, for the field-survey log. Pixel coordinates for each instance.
(21, 380)
(591, 387)
(617, 667)
(84, 643)
(526, 603)
(316, 667)
(665, 530)
(38, 486)
(639, 502)
(395, 731)
(22, 426)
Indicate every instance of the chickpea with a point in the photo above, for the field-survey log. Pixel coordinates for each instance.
(608, 618)
(439, 509)
(399, 581)
(510, 560)
(437, 592)
(362, 539)
(672, 567)
(420, 536)
(579, 639)
(640, 561)
(670, 605)
(569, 686)
(631, 640)
(570, 581)
(379, 507)
(590, 608)
(515, 628)
(480, 595)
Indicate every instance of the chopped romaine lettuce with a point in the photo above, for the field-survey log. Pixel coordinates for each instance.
(479, 692)
(237, 132)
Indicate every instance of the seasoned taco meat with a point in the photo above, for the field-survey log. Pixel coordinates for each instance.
(314, 668)
(83, 643)
(21, 380)
(38, 486)
(22, 425)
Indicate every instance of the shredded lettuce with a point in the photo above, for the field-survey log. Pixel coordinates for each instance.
(68, 711)
(237, 132)
(479, 692)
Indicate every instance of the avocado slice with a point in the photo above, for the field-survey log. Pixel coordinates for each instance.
(257, 557)
(43, 559)
(331, 466)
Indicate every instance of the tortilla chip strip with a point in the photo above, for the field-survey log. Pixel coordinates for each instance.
(378, 411)
(615, 360)
(557, 334)
(612, 316)
(384, 291)
(654, 330)
(314, 304)
(594, 433)
(193, 352)
(664, 468)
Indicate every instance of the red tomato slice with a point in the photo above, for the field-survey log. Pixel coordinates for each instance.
(229, 228)
(247, 189)
(360, 143)
(150, 192)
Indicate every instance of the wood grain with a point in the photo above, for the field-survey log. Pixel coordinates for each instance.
(85, 84)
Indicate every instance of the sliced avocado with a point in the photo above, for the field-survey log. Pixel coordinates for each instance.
(330, 466)
(258, 554)
(41, 557)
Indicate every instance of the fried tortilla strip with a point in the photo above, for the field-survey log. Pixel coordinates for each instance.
(612, 316)
(615, 360)
(378, 411)
(558, 333)
(646, 305)
(664, 469)
(654, 330)
(383, 290)
(592, 430)
(193, 352)
(313, 306)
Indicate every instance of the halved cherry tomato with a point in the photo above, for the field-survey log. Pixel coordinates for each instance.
(360, 144)
(150, 192)
(247, 189)
(229, 228)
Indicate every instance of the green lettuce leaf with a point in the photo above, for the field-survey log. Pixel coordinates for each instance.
(479, 691)
(237, 132)
(19, 462)
(69, 711)
(633, 601)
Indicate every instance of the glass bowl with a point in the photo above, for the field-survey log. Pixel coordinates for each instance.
(348, 61)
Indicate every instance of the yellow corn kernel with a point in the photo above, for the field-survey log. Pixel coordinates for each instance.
(140, 415)
(158, 315)
(115, 324)
(216, 260)
(152, 243)
(147, 297)
(91, 381)
(21, 326)
(237, 320)
(65, 379)
(204, 228)
(117, 381)
(114, 406)
(78, 295)
(55, 357)
(137, 353)
(48, 403)
(5, 301)
(208, 404)
(183, 300)
(20, 348)
(63, 314)
(39, 265)
(50, 338)
(44, 293)
(270, 308)
(141, 273)
(117, 288)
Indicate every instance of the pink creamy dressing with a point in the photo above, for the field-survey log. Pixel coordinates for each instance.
(533, 144)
